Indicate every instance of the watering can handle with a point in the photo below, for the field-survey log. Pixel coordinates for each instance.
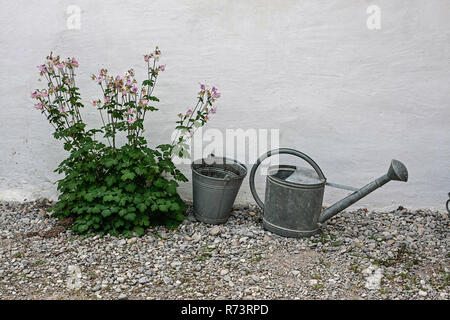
(274, 152)
(447, 204)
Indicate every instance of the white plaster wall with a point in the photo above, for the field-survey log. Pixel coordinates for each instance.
(350, 97)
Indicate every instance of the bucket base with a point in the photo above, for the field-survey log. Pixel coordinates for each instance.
(210, 220)
(288, 232)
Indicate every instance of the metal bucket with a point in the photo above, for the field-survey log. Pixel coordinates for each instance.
(215, 183)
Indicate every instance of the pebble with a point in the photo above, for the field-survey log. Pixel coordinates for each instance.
(96, 288)
(423, 293)
(223, 272)
(214, 231)
(143, 280)
(132, 240)
(243, 239)
(121, 279)
(196, 237)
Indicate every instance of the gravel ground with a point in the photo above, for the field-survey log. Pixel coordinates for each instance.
(357, 255)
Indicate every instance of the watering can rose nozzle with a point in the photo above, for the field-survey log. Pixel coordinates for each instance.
(397, 171)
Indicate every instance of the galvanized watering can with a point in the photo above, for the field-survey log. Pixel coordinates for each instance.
(293, 198)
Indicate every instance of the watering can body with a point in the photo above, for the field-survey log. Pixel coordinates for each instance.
(292, 209)
(294, 196)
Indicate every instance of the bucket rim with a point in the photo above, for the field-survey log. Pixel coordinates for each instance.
(237, 177)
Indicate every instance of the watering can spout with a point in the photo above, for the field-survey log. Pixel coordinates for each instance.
(397, 171)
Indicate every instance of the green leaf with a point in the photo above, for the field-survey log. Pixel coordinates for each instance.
(145, 221)
(119, 223)
(106, 213)
(110, 162)
(130, 216)
(175, 206)
(171, 188)
(108, 198)
(139, 230)
(141, 207)
(140, 171)
(110, 180)
(164, 207)
(89, 197)
(130, 187)
(127, 175)
(67, 146)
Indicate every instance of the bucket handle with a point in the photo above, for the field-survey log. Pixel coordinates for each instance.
(274, 152)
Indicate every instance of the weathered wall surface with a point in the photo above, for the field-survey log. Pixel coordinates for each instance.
(350, 97)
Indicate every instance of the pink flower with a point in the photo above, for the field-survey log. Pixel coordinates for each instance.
(129, 111)
(34, 94)
(39, 106)
(94, 103)
(74, 62)
(144, 101)
(131, 120)
(214, 89)
(134, 89)
(44, 94)
(189, 112)
(216, 95)
(146, 58)
(42, 68)
(202, 86)
(213, 110)
(106, 99)
(124, 91)
(62, 109)
(60, 65)
(99, 80)
(162, 67)
(68, 81)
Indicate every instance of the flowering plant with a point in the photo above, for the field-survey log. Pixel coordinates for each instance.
(109, 188)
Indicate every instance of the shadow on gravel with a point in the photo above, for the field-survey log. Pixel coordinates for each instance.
(54, 231)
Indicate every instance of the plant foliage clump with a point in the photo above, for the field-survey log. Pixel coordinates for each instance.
(107, 187)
